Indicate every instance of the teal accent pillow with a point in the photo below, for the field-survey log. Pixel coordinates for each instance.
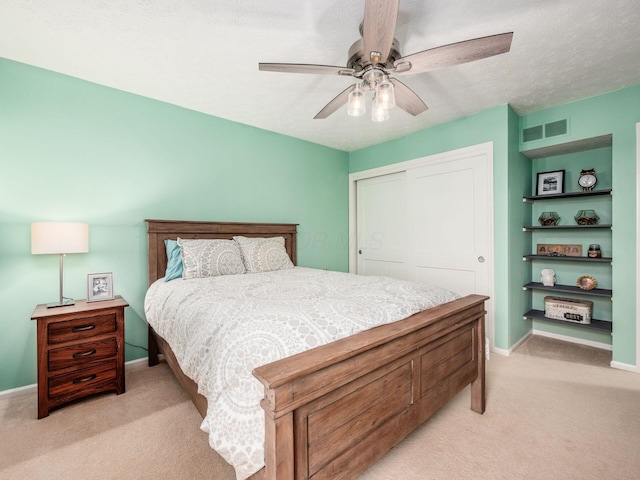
(174, 260)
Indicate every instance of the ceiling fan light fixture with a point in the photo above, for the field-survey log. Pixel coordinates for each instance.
(356, 106)
(378, 111)
(385, 93)
(376, 55)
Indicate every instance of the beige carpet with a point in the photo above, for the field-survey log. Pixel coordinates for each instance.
(546, 347)
(546, 418)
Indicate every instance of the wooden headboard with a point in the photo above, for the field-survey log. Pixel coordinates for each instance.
(160, 230)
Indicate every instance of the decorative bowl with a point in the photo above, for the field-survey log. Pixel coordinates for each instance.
(587, 282)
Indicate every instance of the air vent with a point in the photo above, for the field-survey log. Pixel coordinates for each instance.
(532, 133)
(553, 129)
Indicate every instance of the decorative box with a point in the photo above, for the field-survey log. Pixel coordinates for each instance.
(568, 309)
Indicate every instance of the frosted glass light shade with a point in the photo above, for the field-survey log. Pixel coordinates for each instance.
(356, 106)
(59, 237)
(386, 94)
(378, 112)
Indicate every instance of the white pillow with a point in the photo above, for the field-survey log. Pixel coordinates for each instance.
(264, 254)
(210, 258)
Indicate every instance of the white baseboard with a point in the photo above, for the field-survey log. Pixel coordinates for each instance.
(500, 351)
(14, 392)
(507, 353)
(625, 366)
(579, 341)
(137, 363)
(521, 341)
(33, 388)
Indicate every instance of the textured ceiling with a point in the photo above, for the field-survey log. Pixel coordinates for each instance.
(204, 54)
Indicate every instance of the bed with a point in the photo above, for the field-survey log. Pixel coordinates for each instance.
(333, 410)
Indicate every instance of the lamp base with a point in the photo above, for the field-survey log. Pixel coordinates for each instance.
(65, 303)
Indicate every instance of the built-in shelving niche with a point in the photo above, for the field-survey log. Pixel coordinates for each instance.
(569, 229)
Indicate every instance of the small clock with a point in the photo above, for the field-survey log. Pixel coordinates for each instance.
(587, 179)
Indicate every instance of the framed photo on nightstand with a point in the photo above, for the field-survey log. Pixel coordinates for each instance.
(99, 287)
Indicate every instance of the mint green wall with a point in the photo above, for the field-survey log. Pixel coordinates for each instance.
(519, 243)
(613, 113)
(74, 151)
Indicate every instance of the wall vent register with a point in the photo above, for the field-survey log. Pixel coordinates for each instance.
(548, 130)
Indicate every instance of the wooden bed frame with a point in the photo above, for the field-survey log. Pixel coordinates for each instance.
(333, 411)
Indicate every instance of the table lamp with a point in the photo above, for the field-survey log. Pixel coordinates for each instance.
(59, 238)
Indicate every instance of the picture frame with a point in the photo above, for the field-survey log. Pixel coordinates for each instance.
(99, 287)
(550, 183)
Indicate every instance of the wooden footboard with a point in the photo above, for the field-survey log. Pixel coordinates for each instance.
(333, 411)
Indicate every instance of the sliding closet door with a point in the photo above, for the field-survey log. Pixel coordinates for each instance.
(430, 220)
(382, 225)
(448, 238)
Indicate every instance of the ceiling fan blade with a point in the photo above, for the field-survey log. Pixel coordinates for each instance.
(454, 54)
(341, 99)
(378, 28)
(407, 99)
(302, 68)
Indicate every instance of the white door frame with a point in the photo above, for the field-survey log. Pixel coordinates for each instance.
(637, 369)
(474, 150)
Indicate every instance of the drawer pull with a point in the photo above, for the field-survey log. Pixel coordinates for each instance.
(84, 354)
(83, 329)
(83, 379)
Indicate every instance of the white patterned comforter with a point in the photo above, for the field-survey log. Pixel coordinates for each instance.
(220, 328)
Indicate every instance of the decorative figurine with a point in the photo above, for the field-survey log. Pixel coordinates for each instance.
(586, 217)
(548, 219)
(548, 277)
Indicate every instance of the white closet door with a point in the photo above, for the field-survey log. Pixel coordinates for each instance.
(448, 239)
(382, 225)
(429, 220)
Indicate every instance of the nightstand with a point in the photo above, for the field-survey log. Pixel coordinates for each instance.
(80, 351)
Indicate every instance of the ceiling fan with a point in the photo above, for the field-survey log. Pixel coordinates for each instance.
(375, 57)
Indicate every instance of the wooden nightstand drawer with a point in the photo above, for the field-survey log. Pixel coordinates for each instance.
(82, 354)
(83, 382)
(81, 328)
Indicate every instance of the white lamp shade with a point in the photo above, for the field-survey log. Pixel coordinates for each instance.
(59, 237)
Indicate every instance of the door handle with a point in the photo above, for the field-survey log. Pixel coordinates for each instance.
(360, 252)
(481, 259)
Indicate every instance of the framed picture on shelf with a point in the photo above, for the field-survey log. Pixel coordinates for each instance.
(99, 287)
(550, 183)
